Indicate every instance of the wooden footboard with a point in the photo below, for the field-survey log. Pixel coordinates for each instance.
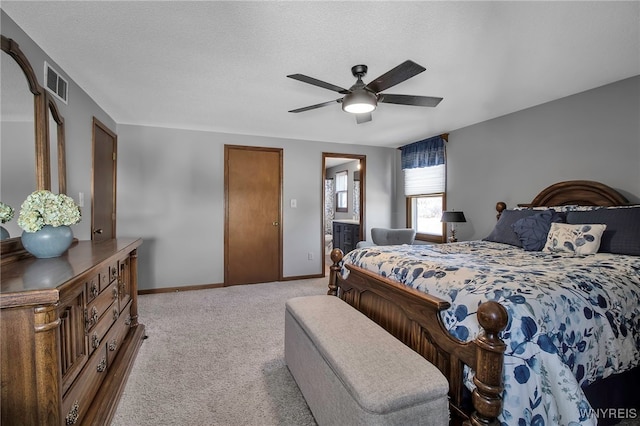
(414, 318)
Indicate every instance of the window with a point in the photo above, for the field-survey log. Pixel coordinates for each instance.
(423, 215)
(424, 168)
(341, 191)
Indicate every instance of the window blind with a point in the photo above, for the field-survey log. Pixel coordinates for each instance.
(425, 180)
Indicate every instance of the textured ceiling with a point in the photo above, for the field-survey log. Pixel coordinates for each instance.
(222, 66)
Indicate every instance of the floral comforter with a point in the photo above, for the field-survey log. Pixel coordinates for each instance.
(572, 320)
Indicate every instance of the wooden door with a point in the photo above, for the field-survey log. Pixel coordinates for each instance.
(253, 232)
(103, 198)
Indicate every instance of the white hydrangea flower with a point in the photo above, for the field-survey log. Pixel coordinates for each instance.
(45, 208)
(6, 212)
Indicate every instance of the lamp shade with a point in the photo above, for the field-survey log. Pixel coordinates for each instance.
(359, 102)
(449, 217)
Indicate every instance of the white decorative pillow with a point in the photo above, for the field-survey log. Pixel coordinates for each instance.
(576, 239)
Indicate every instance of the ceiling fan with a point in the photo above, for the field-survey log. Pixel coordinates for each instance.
(361, 99)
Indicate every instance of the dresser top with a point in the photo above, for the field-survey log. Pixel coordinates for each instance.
(39, 281)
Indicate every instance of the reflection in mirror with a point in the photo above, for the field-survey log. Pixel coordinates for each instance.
(57, 156)
(53, 154)
(18, 155)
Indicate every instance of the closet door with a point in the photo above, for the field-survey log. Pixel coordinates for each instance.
(103, 208)
(253, 213)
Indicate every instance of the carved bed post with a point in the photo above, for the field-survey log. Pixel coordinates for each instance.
(334, 270)
(500, 207)
(487, 396)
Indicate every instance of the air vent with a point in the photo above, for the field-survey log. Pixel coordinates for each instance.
(56, 84)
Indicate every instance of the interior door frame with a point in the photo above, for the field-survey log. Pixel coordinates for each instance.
(363, 184)
(98, 124)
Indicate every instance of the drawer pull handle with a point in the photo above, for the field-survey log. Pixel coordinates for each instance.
(115, 293)
(116, 313)
(128, 320)
(102, 365)
(72, 417)
(113, 345)
(90, 320)
(94, 289)
(95, 341)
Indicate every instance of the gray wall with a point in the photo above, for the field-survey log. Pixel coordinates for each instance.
(78, 115)
(593, 135)
(171, 193)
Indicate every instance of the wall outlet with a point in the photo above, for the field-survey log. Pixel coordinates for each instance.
(310, 256)
(294, 203)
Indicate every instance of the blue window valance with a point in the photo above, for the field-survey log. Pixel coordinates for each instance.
(425, 153)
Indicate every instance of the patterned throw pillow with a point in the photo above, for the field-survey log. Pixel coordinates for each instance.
(576, 239)
(533, 230)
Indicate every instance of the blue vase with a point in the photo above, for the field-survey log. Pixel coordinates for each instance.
(4, 234)
(50, 241)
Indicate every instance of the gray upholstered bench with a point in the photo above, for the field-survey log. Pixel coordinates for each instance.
(363, 378)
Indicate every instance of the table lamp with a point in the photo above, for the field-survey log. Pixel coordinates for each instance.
(453, 217)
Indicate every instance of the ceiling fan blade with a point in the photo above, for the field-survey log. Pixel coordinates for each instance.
(319, 83)
(402, 72)
(425, 101)
(310, 107)
(363, 118)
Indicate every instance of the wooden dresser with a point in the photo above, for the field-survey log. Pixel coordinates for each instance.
(69, 334)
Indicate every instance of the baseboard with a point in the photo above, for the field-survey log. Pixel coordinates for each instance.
(207, 286)
(177, 289)
(302, 277)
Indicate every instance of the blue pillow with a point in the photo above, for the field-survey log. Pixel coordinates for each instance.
(533, 230)
(622, 235)
(503, 233)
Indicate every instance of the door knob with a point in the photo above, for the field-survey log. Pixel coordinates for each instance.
(97, 231)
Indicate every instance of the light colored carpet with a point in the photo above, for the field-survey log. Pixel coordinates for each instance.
(216, 357)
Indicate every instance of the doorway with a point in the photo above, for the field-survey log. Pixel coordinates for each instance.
(103, 192)
(347, 207)
(253, 215)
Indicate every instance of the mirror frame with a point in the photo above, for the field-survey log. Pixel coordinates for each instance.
(43, 171)
(11, 248)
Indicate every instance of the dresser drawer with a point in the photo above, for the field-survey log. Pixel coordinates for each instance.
(108, 275)
(97, 307)
(78, 399)
(117, 334)
(93, 287)
(98, 333)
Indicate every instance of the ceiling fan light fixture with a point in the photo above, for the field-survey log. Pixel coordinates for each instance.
(359, 102)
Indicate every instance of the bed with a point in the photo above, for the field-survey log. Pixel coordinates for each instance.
(522, 335)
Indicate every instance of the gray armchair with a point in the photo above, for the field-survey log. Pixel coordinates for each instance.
(389, 237)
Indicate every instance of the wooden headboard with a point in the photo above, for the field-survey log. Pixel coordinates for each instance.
(574, 192)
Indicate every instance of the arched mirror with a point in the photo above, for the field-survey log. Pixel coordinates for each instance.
(25, 160)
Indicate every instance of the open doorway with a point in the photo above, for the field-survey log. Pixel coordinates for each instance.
(343, 201)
